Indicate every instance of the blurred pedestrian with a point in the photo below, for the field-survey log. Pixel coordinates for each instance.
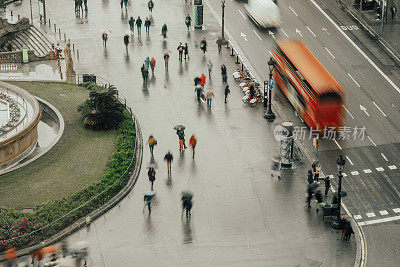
(86, 7)
(327, 184)
(126, 4)
(310, 179)
(147, 62)
(147, 24)
(180, 51)
(168, 158)
(152, 64)
(164, 30)
(210, 65)
(150, 5)
(181, 137)
(223, 73)
(104, 36)
(209, 96)
(199, 90)
(64, 248)
(219, 44)
(227, 92)
(193, 143)
(139, 25)
(145, 73)
(166, 59)
(310, 192)
(121, 3)
(186, 50)
(132, 24)
(348, 230)
(126, 41)
(202, 80)
(203, 45)
(317, 172)
(147, 202)
(188, 21)
(152, 176)
(151, 142)
(393, 10)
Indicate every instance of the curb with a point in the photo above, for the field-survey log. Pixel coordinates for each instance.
(137, 157)
(384, 45)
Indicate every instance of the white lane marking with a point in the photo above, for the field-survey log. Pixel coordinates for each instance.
(379, 109)
(297, 115)
(397, 210)
(337, 144)
(393, 167)
(257, 34)
(329, 52)
(348, 111)
(383, 212)
(357, 217)
(271, 33)
(287, 36)
(371, 140)
(293, 11)
(242, 14)
(299, 32)
(356, 47)
(355, 173)
(364, 109)
(311, 31)
(349, 160)
(388, 219)
(271, 55)
(370, 214)
(384, 157)
(380, 169)
(353, 79)
(344, 174)
(244, 36)
(367, 171)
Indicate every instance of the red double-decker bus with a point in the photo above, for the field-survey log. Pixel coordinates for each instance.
(311, 89)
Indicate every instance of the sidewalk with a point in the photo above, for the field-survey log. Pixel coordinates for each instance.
(240, 215)
(391, 32)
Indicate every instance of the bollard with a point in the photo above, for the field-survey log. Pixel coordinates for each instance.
(59, 33)
(77, 53)
(237, 59)
(55, 28)
(232, 54)
(49, 23)
(242, 66)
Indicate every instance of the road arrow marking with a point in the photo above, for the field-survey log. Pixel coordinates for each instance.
(325, 30)
(364, 109)
(242, 14)
(293, 11)
(243, 35)
(299, 32)
(257, 34)
(271, 33)
(285, 33)
(311, 31)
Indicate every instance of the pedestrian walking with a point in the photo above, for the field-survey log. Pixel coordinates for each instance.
(219, 44)
(152, 176)
(210, 65)
(104, 36)
(150, 5)
(181, 137)
(145, 73)
(188, 21)
(317, 172)
(193, 143)
(187, 205)
(151, 142)
(121, 3)
(393, 10)
(139, 25)
(147, 202)
(147, 62)
(310, 179)
(166, 59)
(186, 50)
(203, 45)
(126, 41)
(168, 158)
(223, 73)
(132, 23)
(348, 230)
(310, 192)
(164, 30)
(180, 51)
(202, 80)
(227, 92)
(199, 90)
(147, 24)
(327, 184)
(126, 4)
(86, 7)
(209, 96)
(152, 64)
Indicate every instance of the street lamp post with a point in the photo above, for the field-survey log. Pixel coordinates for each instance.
(223, 21)
(340, 166)
(269, 115)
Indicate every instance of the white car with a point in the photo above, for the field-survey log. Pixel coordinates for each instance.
(265, 13)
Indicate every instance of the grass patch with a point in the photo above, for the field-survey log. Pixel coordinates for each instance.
(76, 161)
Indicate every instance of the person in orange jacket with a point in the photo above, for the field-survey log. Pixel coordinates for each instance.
(193, 143)
(202, 80)
(152, 64)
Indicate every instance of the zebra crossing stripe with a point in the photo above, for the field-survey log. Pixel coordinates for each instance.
(357, 217)
(380, 169)
(367, 171)
(397, 210)
(383, 212)
(392, 167)
(370, 214)
(355, 173)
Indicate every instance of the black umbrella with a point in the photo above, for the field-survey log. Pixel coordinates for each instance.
(179, 127)
(343, 194)
(313, 185)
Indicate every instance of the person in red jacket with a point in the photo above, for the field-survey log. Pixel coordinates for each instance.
(202, 80)
(152, 64)
(193, 143)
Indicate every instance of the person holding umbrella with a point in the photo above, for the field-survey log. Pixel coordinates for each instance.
(152, 176)
(168, 158)
(187, 203)
(181, 135)
(148, 197)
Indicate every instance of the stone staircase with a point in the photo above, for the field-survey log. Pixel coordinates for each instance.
(31, 39)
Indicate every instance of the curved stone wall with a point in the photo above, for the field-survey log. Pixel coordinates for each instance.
(20, 141)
